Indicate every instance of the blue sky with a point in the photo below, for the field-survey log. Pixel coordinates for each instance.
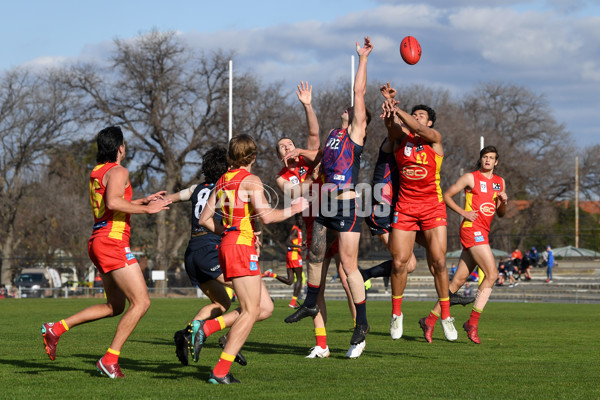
(549, 46)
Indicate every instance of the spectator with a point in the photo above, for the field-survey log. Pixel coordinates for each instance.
(549, 258)
(502, 271)
(468, 292)
(525, 269)
(452, 271)
(516, 257)
(534, 257)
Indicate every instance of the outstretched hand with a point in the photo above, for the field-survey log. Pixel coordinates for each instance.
(388, 107)
(364, 51)
(387, 91)
(304, 93)
(156, 196)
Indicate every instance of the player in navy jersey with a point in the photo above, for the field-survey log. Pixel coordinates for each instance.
(202, 257)
(337, 214)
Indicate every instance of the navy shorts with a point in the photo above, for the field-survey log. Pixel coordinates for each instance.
(379, 224)
(339, 215)
(202, 263)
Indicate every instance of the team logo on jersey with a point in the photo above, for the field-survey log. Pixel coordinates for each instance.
(483, 186)
(302, 171)
(338, 177)
(253, 265)
(479, 239)
(496, 187)
(414, 172)
(487, 209)
(408, 149)
(128, 254)
(340, 134)
(420, 146)
(294, 180)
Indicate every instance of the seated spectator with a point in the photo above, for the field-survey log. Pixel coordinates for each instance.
(452, 271)
(525, 269)
(534, 257)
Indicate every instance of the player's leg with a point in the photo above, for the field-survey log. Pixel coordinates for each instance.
(344, 282)
(130, 281)
(482, 255)
(249, 293)
(436, 249)
(309, 308)
(321, 350)
(401, 246)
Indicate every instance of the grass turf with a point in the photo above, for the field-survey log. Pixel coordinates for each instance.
(528, 351)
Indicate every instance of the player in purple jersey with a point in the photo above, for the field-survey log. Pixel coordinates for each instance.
(337, 214)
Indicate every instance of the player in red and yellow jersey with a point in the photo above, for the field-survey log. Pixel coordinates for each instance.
(293, 261)
(110, 196)
(240, 197)
(420, 206)
(485, 197)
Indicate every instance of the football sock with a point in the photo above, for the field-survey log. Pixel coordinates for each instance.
(475, 314)
(481, 298)
(432, 318)
(111, 357)
(312, 292)
(396, 305)
(361, 312)
(213, 325)
(293, 301)
(445, 305)
(223, 365)
(60, 327)
(321, 336)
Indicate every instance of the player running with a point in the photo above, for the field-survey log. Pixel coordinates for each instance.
(202, 257)
(240, 196)
(108, 247)
(420, 207)
(485, 197)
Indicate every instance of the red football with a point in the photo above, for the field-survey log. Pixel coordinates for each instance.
(410, 50)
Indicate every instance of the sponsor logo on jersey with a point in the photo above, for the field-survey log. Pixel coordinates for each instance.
(414, 172)
(420, 146)
(253, 257)
(253, 266)
(483, 187)
(479, 239)
(477, 233)
(496, 187)
(338, 177)
(395, 218)
(340, 134)
(216, 267)
(127, 250)
(302, 171)
(408, 149)
(487, 209)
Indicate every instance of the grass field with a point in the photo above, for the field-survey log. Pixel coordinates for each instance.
(528, 351)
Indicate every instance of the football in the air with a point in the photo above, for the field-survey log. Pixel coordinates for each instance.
(410, 50)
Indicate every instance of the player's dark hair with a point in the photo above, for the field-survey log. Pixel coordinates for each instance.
(280, 139)
(242, 150)
(108, 140)
(486, 150)
(214, 164)
(430, 112)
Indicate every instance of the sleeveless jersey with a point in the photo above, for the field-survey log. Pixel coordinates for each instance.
(199, 198)
(482, 198)
(419, 170)
(295, 251)
(298, 174)
(341, 160)
(107, 223)
(385, 176)
(237, 214)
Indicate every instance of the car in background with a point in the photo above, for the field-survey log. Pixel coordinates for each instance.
(38, 282)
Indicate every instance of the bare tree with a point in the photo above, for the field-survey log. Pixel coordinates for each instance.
(35, 115)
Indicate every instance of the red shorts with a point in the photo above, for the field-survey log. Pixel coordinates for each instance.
(110, 254)
(333, 250)
(419, 216)
(297, 263)
(238, 260)
(470, 237)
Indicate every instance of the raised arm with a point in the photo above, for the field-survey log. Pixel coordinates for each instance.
(358, 125)
(467, 180)
(304, 94)
(429, 134)
(117, 179)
